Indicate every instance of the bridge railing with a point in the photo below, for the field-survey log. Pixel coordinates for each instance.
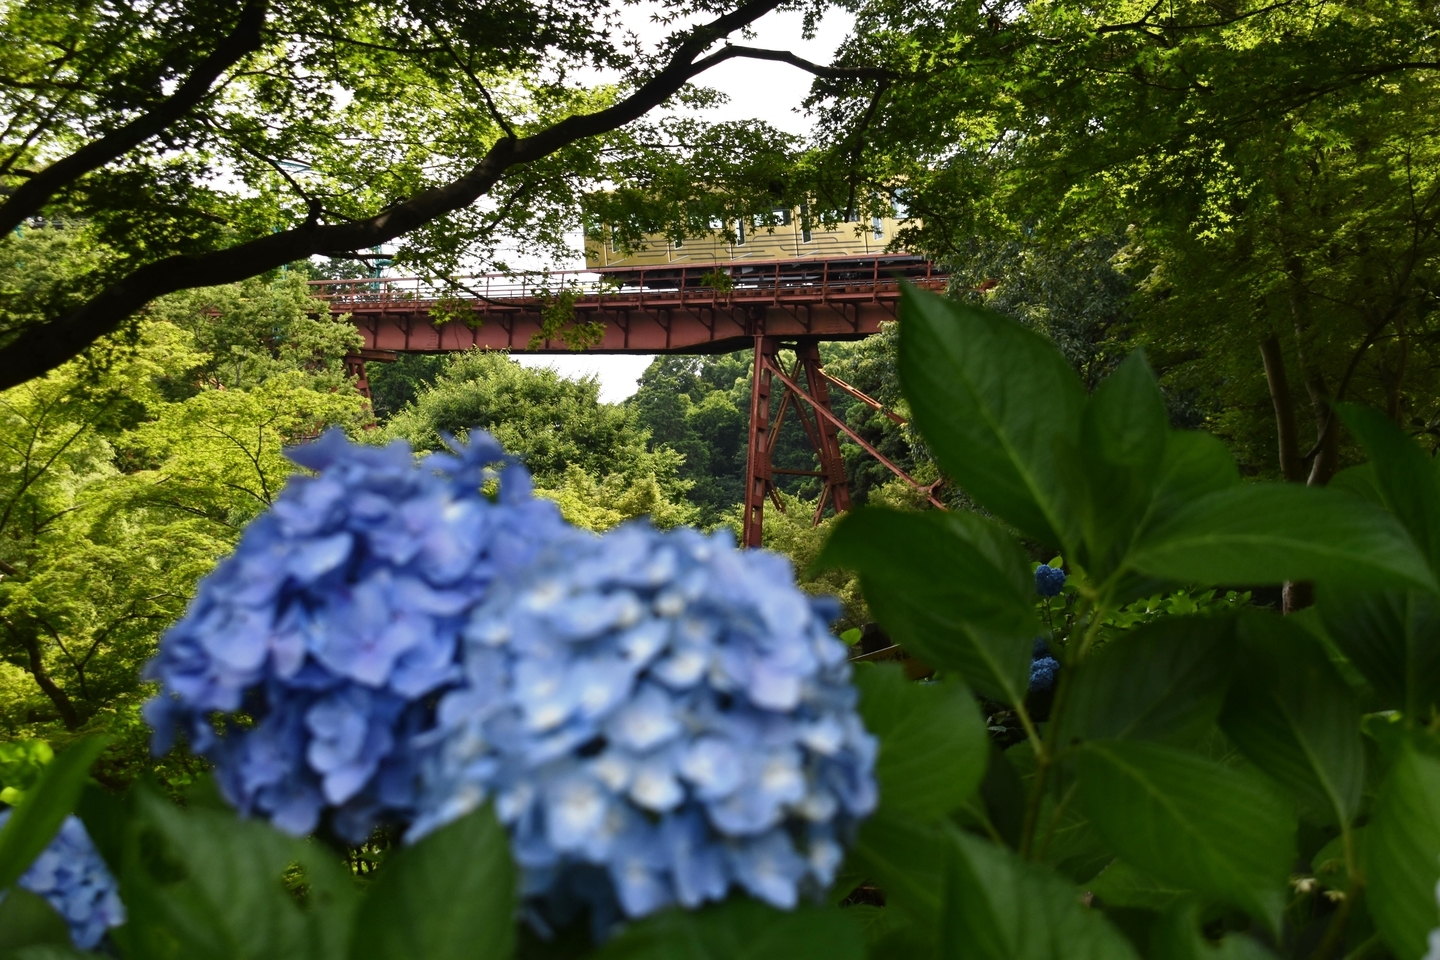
(699, 281)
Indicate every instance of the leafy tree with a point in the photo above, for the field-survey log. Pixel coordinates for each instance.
(396, 384)
(1271, 166)
(553, 424)
(333, 127)
(123, 482)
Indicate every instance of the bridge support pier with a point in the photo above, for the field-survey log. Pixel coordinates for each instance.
(765, 422)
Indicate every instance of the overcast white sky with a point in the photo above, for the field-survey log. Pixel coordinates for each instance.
(757, 89)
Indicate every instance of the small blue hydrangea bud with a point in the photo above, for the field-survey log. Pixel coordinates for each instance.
(1042, 674)
(335, 625)
(660, 718)
(1049, 580)
(70, 876)
(1039, 649)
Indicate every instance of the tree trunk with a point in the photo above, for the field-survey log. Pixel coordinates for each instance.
(1327, 433)
(68, 714)
(1292, 468)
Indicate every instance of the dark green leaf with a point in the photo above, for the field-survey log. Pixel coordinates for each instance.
(1121, 885)
(1162, 681)
(933, 744)
(1122, 446)
(1195, 463)
(1294, 716)
(39, 815)
(1402, 853)
(27, 920)
(992, 399)
(1221, 831)
(906, 859)
(1273, 532)
(200, 884)
(998, 907)
(1176, 936)
(1329, 862)
(1407, 476)
(740, 930)
(451, 896)
(1392, 637)
(953, 589)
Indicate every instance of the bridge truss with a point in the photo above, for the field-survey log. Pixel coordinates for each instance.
(766, 306)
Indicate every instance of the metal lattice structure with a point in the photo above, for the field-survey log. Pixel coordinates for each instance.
(766, 306)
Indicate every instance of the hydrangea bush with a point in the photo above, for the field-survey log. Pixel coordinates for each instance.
(648, 745)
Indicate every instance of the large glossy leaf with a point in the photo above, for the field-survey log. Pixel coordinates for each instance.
(1273, 532)
(933, 745)
(1162, 681)
(1294, 716)
(451, 896)
(200, 884)
(36, 819)
(1402, 853)
(740, 930)
(1408, 477)
(1221, 831)
(992, 399)
(1392, 637)
(952, 588)
(999, 907)
(1122, 447)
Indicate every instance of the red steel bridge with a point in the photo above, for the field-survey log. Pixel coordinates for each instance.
(689, 308)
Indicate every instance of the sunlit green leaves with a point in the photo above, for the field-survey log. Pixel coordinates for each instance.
(1221, 831)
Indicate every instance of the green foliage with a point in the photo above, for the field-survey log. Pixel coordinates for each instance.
(588, 456)
(122, 482)
(739, 930)
(1193, 755)
(1185, 766)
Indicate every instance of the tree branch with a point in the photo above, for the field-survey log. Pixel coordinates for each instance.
(34, 193)
(824, 71)
(43, 347)
(68, 714)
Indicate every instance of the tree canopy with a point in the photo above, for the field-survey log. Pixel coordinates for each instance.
(198, 143)
(1269, 169)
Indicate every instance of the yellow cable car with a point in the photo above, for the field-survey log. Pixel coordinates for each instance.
(740, 241)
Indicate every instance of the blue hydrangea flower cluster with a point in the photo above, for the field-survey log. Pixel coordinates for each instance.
(336, 623)
(72, 878)
(1049, 580)
(1043, 667)
(659, 717)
